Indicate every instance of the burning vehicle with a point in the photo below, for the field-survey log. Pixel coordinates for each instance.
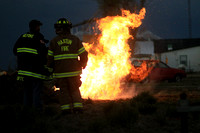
(155, 71)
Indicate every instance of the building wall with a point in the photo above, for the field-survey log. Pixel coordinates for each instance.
(192, 55)
(144, 47)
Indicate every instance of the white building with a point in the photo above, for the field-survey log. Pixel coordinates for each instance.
(144, 46)
(179, 53)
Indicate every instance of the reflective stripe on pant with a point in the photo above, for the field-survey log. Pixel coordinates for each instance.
(68, 106)
(77, 105)
(69, 91)
(65, 107)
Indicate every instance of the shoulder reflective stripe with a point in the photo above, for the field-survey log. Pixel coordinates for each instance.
(68, 74)
(27, 73)
(81, 50)
(66, 106)
(78, 105)
(50, 53)
(66, 56)
(27, 50)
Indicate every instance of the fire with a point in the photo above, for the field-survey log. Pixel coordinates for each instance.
(139, 73)
(108, 61)
(55, 88)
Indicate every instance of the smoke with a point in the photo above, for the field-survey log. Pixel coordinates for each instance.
(131, 89)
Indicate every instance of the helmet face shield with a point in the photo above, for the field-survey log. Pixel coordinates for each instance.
(58, 26)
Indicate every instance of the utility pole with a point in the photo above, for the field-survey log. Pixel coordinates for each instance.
(189, 19)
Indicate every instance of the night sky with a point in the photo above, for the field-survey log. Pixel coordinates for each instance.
(165, 18)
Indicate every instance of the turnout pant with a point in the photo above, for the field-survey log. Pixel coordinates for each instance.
(70, 96)
(32, 92)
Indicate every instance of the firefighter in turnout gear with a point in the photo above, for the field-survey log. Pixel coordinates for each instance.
(31, 55)
(67, 57)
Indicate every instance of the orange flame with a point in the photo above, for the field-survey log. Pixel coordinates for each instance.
(108, 62)
(139, 73)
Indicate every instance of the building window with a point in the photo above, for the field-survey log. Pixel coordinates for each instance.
(169, 47)
(183, 59)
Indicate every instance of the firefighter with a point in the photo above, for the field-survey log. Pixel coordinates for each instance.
(31, 55)
(67, 57)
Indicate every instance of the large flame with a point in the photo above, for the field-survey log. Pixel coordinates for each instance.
(108, 61)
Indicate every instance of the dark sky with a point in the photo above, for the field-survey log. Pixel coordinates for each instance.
(165, 18)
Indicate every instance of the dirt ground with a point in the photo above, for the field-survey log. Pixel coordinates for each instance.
(116, 116)
(171, 90)
(165, 119)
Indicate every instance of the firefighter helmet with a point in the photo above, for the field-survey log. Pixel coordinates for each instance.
(63, 23)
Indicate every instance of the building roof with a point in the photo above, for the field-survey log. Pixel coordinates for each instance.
(147, 35)
(166, 45)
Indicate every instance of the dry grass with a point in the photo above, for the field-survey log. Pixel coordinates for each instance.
(152, 110)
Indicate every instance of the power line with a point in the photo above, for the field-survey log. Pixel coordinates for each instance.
(189, 19)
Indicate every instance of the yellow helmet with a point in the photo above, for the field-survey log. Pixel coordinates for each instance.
(63, 23)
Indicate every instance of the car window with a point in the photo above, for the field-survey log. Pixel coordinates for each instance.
(137, 63)
(162, 65)
(151, 64)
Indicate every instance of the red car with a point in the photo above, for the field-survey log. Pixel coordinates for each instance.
(157, 71)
